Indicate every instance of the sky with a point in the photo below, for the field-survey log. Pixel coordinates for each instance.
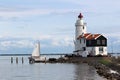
(23, 22)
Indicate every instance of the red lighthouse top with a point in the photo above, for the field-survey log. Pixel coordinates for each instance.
(80, 16)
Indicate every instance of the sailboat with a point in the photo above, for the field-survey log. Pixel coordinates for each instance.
(36, 57)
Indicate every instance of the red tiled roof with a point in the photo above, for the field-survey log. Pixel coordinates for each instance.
(85, 35)
(93, 36)
(89, 36)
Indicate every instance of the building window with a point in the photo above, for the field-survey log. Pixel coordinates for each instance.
(89, 42)
(80, 41)
(101, 49)
(98, 42)
(84, 40)
(84, 48)
(103, 42)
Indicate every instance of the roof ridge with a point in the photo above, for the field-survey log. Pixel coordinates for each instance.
(98, 36)
(88, 35)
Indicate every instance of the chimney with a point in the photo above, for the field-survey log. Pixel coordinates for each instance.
(93, 35)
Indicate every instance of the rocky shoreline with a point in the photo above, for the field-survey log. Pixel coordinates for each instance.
(105, 71)
(105, 66)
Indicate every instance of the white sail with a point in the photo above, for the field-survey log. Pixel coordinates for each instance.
(36, 51)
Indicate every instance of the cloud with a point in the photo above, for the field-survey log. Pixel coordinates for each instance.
(49, 43)
(46, 42)
(113, 35)
(88, 7)
(19, 43)
(113, 38)
(57, 40)
(113, 41)
(65, 41)
(33, 12)
(96, 2)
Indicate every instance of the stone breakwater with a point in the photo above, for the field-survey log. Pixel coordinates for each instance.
(105, 66)
(105, 71)
(102, 65)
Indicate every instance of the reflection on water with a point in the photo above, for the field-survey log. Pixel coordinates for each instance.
(41, 71)
(85, 72)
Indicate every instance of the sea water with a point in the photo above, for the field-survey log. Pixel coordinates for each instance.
(42, 71)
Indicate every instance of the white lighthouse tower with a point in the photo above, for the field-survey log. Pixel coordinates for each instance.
(80, 26)
(80, 30)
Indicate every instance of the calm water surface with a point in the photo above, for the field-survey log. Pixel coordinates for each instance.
(41, 71)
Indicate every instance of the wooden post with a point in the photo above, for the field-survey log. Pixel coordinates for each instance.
(22, 60)
(11, 59)
(17, 60)
(61, 56)
(45, 60)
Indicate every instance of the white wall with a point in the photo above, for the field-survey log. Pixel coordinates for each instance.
(79, 46)
(91, 50)
(82, 42)
(76, 45)
(104, 52)
(95, 50)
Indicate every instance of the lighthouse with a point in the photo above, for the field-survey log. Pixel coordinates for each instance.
(80, 26)
(88, 43)
(80, 30)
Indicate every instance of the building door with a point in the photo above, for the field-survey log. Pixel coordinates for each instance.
(84, 48)
(101, 50)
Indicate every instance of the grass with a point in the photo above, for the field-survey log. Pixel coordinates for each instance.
(105, 61)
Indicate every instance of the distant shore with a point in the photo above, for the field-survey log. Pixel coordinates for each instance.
(9, 54)
(30, 54)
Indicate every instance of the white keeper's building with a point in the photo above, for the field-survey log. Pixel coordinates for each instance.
(87, 43)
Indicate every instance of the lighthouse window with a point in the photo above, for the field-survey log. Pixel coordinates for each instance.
(83, 27)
